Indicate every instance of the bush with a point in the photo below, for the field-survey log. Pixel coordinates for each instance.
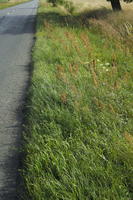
(55, 2)
(67, 4)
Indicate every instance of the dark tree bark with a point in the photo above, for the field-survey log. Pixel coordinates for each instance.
(116, 5)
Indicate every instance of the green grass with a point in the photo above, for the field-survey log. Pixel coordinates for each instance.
(3, 1)
(6, 4)
(78, 134)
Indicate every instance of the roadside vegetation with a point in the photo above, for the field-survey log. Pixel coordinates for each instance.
(9, 3)
(78, 130)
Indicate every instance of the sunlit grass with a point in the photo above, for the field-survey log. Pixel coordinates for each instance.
(79, 122)
(6, 3)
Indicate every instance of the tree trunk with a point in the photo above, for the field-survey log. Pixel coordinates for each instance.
(116, 5)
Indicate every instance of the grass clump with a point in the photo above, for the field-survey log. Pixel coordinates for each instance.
(79, 125)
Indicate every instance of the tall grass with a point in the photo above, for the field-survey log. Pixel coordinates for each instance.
(116, 26)
(78, 135)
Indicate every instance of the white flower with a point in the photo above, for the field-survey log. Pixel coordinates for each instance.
(101, 64)
(107, 64)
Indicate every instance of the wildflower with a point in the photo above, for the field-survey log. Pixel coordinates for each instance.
(107, 64)
(101, 64)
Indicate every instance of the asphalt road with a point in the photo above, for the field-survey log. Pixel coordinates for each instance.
(16, 40)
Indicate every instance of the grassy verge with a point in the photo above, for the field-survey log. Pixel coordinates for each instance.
(79, 121)
(6, 4)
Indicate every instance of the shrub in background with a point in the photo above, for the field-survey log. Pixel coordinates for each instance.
(55, 2)
(67, 4)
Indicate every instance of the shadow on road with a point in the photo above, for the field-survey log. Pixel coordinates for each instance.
(9, 167)
(11, 24)
(11, 164)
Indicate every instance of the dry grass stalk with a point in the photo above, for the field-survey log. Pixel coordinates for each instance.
(74, 90)
(61, 74)
(106, 28)
(111, 108)
(86, 41)
(117, 85)
(129, 138)
(48, 26)
(69, 35)
(95, 79)
(73, 69)
(99, 103)
(77, 48)
(93, 71)
(63, 98)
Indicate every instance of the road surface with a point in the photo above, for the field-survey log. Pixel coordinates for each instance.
(16, 40)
